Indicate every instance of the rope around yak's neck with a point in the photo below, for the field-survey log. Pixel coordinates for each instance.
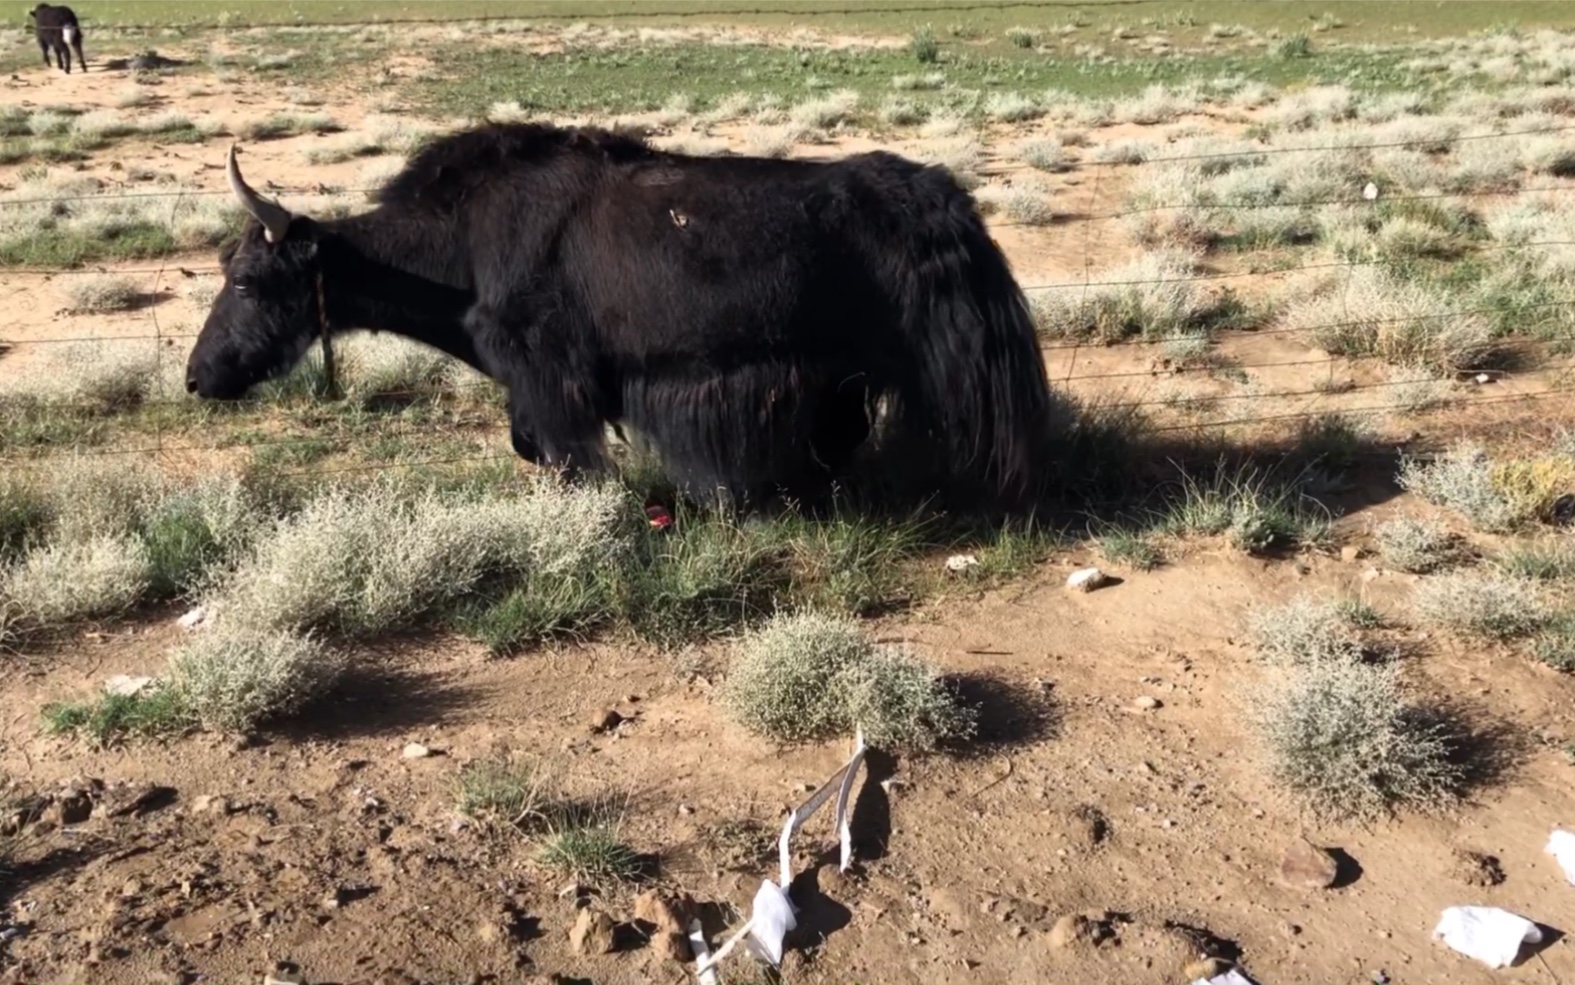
(325, 331)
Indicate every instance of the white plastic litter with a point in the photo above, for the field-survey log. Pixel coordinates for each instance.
(194, 619)
(1490, 935)
(1086, 579)
(1230, 977)
(1370, 192)
(126, 686)
(961, 562)
(1561, 845)
(702, 951)
(772, 914)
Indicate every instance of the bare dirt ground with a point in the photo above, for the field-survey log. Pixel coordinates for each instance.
(321, 845)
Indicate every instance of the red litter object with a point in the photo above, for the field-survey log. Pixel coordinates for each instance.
(658, 517)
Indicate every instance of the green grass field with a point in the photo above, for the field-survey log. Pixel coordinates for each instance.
(1363, 20)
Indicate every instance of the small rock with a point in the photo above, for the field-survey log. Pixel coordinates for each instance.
(684, 810)
(1483, 379)
(592, 933)
(893, 786)
(284, 973)
(666, 913)
(126, 686)
(1205, 968)
(129, 799)
(833, 882)
(1087, 826)
(71, 807)
(416, 750)
(1350, 553)
(1073, 930)
(1086, 579)
(1306, 866)
(668, 918)
(205, 803)
(133, 887)
(961, 562)
(1146, 703)
(195, 619)
(1290, 930)
(1477, 869)
(606, 721)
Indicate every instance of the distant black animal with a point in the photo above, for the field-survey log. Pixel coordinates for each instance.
(58, 31)
(743, 315)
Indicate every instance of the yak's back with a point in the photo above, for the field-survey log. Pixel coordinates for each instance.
(442, 175)
(56, 17)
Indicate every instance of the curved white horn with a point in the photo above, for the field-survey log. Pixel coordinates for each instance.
(274, 217)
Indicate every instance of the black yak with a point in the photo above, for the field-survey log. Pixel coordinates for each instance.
(58, 31)
(743, 315)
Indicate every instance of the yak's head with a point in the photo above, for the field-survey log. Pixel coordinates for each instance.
(267, 314)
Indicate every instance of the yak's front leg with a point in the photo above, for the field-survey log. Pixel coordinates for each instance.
(555, 417)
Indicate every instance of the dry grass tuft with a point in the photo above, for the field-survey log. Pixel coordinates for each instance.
(1483, 604)
(809, 677)
(69, 581)
(231, 677)
(1046, 155)
(1415, 546)
(1496, 497)
(360, 561)
(1343, 737)
(100, 293)
(1304, 632)
(1371, 312)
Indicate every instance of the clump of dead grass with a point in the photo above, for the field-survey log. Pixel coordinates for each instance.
(1496, 497)
(71, 581)
(1306, 631)
(231, 677)
(1485, 604)
(808, 677)
(1370, 312)
(1155, 297)
(1343, 737)
(1046, 155)
(827, 112)
(359, 561)
(101, 293)
(1415, 546)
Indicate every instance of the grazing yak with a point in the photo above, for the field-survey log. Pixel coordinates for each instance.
(745, 316)
(58, 31)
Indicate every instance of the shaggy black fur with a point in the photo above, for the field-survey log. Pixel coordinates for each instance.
(744, 315)
(58, 31)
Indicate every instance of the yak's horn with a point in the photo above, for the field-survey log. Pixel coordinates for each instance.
(274, 217)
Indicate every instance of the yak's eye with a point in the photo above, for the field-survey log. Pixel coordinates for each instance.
(243, 285)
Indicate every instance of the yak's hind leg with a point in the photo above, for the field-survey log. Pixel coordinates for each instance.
(842, 424)
(742, 436)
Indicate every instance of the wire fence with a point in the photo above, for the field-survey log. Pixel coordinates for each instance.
(1090, 361)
